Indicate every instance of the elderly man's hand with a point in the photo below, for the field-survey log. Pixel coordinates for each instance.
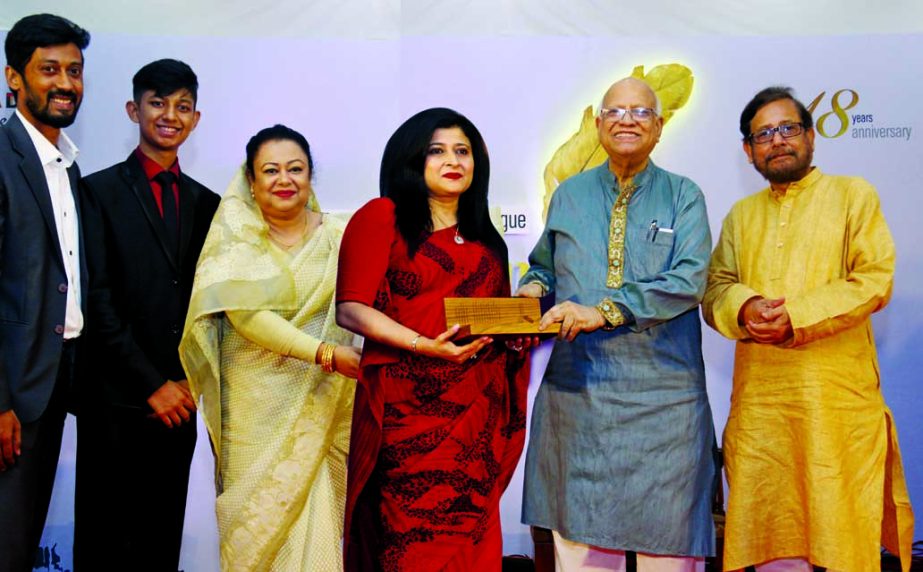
(574, 318)
(767, 321)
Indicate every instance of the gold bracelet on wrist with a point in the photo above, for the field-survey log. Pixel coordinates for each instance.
(326, 358)
(329, 358)
(413, 343)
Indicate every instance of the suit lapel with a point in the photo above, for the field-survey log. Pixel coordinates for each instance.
(73, 174)
(136, 179)
(34, 174)
(187, 201)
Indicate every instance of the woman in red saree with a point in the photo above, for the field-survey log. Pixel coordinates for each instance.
(438, 427)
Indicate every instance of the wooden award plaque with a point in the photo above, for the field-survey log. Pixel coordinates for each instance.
(496, 317)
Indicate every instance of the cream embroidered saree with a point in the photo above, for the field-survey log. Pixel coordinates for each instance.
(279, 426)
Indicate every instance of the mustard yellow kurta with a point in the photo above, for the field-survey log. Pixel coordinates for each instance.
(810, 447)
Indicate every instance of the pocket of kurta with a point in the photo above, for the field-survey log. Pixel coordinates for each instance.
(649, 252)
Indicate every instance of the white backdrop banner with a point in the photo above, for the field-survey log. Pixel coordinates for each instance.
(527, 95)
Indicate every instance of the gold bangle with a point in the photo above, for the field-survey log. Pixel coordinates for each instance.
(333, 360)
(326, 358)
(330, 361)
(413, 343)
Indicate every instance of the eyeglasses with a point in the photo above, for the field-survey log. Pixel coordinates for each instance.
(786, 130)
(615, 114)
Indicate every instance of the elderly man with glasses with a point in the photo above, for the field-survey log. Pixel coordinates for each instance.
(620, 452)
(812, 457)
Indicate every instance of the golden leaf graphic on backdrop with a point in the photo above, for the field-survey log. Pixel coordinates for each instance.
(671, 82)
(673, 85)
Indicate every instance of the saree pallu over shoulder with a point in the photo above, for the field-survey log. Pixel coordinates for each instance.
(237, 270)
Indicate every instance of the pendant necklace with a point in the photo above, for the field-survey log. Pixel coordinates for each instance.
(459, 239)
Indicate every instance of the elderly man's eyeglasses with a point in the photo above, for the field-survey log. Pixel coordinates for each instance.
(786, 130)
(615, 114)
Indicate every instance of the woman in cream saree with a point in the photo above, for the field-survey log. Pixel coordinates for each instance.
(262, 311)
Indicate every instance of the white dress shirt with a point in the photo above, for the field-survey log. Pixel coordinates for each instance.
(55, 161)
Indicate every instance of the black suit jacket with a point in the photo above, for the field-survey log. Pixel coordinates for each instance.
(139, 289)
(33, 283)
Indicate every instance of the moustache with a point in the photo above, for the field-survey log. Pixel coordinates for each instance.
(61, 93)
(782, 154)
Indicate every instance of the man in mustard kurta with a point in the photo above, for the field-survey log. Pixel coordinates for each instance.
(811, 449)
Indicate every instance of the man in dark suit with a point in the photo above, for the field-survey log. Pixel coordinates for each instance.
(146, 222)
(42, 272)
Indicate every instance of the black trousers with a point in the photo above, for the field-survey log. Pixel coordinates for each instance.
(130, 502)
(25, 489)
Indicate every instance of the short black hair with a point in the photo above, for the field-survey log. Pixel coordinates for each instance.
(767, 96)
(277, 132)
(164, 77)
(402, 180)
(41, 31)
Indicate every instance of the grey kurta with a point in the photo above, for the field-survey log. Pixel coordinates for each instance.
(620, 451)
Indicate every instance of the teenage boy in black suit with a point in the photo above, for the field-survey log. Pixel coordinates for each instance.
(146, 222)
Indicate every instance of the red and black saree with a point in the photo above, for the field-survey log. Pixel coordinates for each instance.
(434, 443)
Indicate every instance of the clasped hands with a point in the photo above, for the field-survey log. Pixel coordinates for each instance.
(766, 320)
